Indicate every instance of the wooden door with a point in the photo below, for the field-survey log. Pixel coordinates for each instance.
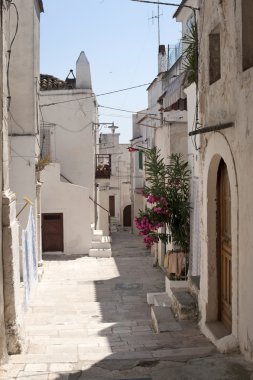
(52, 232)
(127, 216)
(112, 205)
(224, 247)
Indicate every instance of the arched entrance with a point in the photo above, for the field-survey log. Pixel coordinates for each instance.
(224, 246)
(127, 216)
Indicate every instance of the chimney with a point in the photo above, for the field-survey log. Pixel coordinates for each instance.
(162, 59)
(83, 77)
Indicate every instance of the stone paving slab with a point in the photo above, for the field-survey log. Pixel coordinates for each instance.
(89, 319)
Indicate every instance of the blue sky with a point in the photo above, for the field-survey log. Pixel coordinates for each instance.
(121, 44)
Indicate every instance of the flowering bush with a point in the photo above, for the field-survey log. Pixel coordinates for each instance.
(167, 195)
(152, 219)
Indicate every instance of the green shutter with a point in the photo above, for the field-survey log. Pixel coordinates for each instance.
(140, 160)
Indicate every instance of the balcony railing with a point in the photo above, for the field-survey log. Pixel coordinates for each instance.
(174, 53)
(103, 166)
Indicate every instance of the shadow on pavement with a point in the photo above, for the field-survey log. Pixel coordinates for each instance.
(120, 342)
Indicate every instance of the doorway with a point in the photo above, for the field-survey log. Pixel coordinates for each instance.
(127, 216)
(112, 205)
(224, 247)
(52, 232)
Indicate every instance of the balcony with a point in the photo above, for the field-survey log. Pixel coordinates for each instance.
(103, 166)
(174, 53)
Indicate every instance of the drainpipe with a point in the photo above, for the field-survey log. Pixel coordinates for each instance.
(132, 190)
(95, 167)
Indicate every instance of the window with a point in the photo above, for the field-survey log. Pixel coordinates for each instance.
(112, 205)
(247, 32)
(140, 160)
(214, 57)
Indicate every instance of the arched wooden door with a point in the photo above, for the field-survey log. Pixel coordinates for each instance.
(224, 247)
(127, 216)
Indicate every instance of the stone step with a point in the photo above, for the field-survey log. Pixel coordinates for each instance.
(163, 319)
(98, 232)
(97, 235)
(162, 299)
(194, 285)
(100, 245)
(106, 239)
(150, 298)
(183, 304)
(95, 252)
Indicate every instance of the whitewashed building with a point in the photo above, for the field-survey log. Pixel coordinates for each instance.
(20, 125)
(68, 140)
(226, 140)
(163, 124)
(119, 203)
(187, 17)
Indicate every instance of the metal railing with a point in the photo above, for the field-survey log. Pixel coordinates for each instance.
(103, 166)
(173, 54)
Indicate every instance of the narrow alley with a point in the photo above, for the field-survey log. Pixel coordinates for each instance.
(89, 319)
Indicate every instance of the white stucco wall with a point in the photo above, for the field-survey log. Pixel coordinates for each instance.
(24, 114)
(103, 201)
(229, 99)
(193, 160)
(22, 169)
(72, 141)
(119, 184)
(3, 150)
(73, 202)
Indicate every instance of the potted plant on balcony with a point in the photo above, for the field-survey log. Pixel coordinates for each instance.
(168, 205)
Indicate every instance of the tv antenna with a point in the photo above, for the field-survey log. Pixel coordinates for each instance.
(158, 20)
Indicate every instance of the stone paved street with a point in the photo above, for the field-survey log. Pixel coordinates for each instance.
(89, 319)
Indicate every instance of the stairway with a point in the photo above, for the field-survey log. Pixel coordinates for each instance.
(167, 311)
(100, 244)
(184, 304)
(162, 317)
(114, 224)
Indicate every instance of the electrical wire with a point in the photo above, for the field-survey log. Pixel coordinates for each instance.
(170, 4)
(9, 54)
(48, 124)
(15, 121)
(23, 158)
(94, 96)
(115, 115)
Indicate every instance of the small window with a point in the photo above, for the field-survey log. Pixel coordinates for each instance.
(214, 57)
(247, 32)
(140, 160)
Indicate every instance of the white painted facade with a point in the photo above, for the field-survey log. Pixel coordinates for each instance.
(186, 17)
(71, 200)
(19, 120)
(119, 182)
(70, 126)
(227, 100)
(68, 139)
(163, 125)
(24, 98)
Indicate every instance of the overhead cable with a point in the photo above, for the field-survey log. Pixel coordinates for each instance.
(94, 96)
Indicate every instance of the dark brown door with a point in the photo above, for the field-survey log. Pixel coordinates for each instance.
(52, 232)
(112, 205)
(224, 247)
(127, 216)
